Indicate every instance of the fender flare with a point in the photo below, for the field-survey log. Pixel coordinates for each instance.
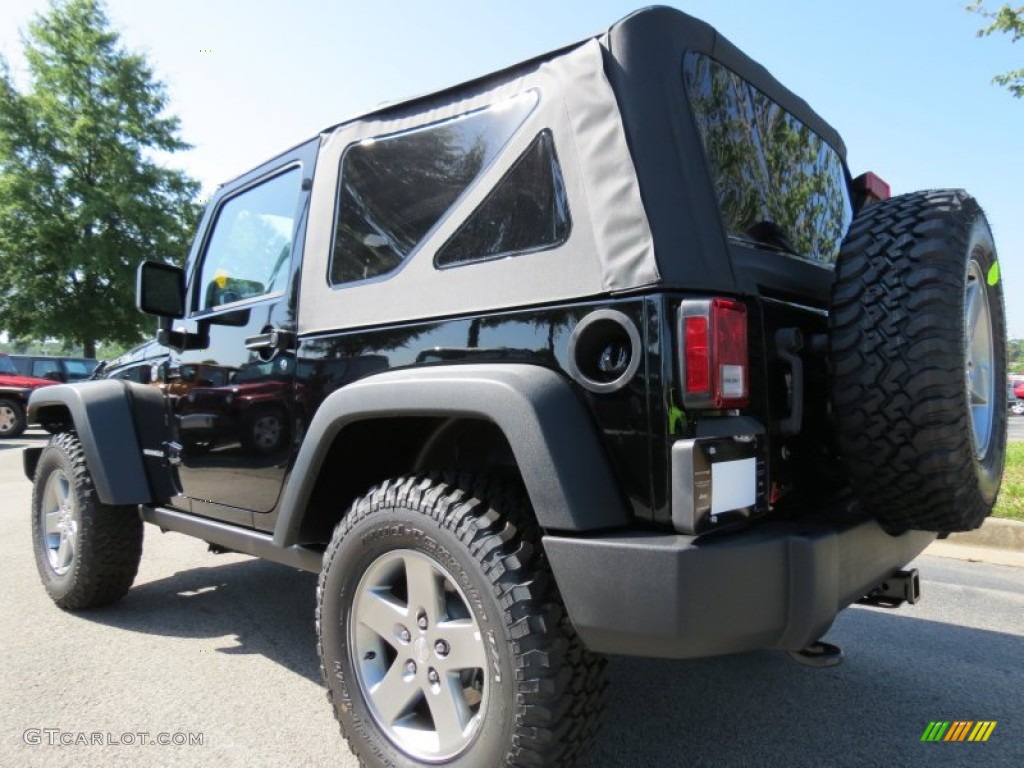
(102, 415)
(558, 449)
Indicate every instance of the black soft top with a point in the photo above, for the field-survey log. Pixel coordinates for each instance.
(645, 67)
(648, 45)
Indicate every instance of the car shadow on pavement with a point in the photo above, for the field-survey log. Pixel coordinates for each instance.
(267, 608)
(753, 709)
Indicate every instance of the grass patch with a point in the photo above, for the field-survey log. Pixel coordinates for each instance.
(1011, 496)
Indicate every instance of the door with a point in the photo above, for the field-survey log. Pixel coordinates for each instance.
(232, 400)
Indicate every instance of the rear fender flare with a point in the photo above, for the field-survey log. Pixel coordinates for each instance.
(558, 449)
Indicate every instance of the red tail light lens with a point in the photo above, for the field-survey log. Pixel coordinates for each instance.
(698, 369)
(716, 368)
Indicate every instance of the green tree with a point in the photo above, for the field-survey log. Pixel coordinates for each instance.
(83, 198)
(1015, 355)
(1010, 21)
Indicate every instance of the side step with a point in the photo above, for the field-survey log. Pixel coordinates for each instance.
(902, 587)
(231, 537)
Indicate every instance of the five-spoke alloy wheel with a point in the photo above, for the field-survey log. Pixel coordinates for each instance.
(59, 522)
(442, 637)
(87, 552)
(419, 655)
(979, 356)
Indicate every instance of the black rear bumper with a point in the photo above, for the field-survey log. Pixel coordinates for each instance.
(777, 585)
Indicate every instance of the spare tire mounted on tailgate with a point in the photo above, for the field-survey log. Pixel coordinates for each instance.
(918, 362)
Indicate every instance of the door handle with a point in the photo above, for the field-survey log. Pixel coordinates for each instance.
(272, 338)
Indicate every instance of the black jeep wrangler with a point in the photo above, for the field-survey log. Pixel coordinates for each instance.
(603, 353)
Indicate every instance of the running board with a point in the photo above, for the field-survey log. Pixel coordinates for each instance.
(243, 540)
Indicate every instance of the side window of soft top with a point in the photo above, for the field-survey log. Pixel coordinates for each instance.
(526, 211)
(394, 189)
(248, 251)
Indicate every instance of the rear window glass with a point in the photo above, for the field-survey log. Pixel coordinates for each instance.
(395, 189)
(526, 211)
(778, 183)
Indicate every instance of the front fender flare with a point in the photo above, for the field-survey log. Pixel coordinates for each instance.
(101, 412)
(553, 437)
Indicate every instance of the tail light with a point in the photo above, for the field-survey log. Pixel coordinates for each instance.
(869, 188)
(715, 363)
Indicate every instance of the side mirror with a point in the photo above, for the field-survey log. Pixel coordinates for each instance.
(160, 290)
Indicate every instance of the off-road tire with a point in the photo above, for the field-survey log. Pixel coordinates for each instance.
(902, 364)
(544, 689)
(105, 541)
(12, 418)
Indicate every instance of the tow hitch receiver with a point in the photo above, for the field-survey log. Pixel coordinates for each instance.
(901, 587)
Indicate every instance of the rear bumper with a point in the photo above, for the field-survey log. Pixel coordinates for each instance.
(777, 585)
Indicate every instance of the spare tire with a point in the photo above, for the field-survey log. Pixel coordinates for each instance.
(918, 353)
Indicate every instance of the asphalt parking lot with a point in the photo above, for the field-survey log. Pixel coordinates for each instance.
(223, 646)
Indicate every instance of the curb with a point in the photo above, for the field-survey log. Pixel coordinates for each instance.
(990, 555)
(995, 532)
(997, 541)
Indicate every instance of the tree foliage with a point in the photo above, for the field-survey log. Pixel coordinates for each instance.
(1010, 21)
(82, 197)
(1015, 355)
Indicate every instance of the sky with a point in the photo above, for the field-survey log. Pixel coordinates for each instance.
(907, 84)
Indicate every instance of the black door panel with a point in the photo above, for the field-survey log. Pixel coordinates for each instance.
(233, 400)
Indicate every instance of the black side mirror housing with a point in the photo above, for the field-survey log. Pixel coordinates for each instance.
(160, 290)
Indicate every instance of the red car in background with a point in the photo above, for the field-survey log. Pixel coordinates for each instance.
(1015, 394)
(14, 392)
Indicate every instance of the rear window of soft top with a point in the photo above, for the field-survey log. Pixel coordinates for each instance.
(779, 184)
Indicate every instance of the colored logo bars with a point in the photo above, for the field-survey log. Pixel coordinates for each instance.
(958, 730)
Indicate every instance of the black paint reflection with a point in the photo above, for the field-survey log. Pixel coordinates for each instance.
(537, 337)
